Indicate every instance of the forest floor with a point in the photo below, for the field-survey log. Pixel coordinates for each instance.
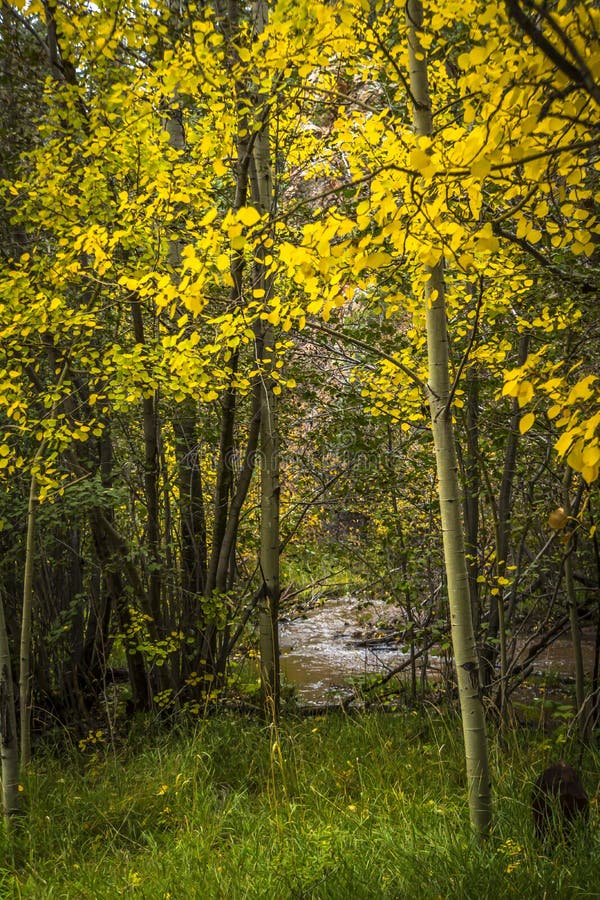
(365, 806)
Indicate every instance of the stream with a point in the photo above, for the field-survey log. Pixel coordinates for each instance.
(320, 648)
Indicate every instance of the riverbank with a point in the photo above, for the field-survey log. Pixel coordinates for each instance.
(371, 806)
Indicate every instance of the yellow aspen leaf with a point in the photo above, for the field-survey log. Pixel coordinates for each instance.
(486, 240)
(248, 215)
(478, 55)
(591, 425)
(575, 457)
(327, 307)
(582, 235)
(526, 422)
(564, 443)
(422, 162)
(591, 455)
(194, 302)
(590, 473)
(377, 260)
(552, 383)
(323, 247)
(419, 159)
(582, 390)
(428, 255)
(208, 217)
(480, 168)
(524, 393)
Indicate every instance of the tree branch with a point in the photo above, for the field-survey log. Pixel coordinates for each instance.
(356, 342)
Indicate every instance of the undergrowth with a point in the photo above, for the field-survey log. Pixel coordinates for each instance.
(337, 807)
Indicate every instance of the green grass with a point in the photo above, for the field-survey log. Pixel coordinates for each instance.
(335, 807)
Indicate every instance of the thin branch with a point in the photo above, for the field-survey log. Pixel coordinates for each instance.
(340, 336)
(586, 287)
(579, 73)
(509, 213)
(467, 352)
(309, 503)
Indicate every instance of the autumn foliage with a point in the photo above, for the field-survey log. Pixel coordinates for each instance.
(148, 293)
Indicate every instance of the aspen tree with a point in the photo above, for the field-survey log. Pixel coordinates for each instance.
(262, 194)
(440, 403)
(9, 746)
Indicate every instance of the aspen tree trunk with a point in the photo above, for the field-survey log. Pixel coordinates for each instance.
(227, 542)
(157, 626)
(112, 556)
(262, 190)
(231, 493)
(150, 426)
(192, 521)
(194, 555)
(472, 491)
(269, 540)
(572, 604)
(9, 748)
(25, 688)
(496, 631)
(26, 612)
(224, 481)
(463, 640)
(226, 506)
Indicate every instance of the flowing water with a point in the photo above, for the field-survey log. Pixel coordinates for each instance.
(320, 650)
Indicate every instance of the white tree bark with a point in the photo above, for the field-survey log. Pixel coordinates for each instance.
(9, 746)
(262, 195)
(463, 639)
(26, 611)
